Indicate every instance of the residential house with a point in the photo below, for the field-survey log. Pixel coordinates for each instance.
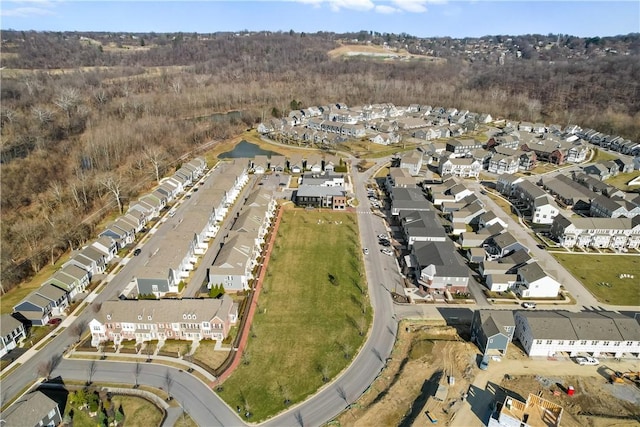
(507, 184)
(548, 333)
(34, 309)
(598, 170)
(492, 330)
(421, 226)
(234, 265)
(613, 233)
(505, 141)
(412, 161)
(501, 164)
(320, 196)
(544, 210)
(462, 147)
(475, 255)
(470, 239)
(34, 409)
(107, 246)
(534, 282)
(488, 268)
(278, 163)
(569, 192)
(605, 207)
(501, 282)
(260, 164)
(438, 269)
(71, 278)
(400, 178)
(468, 215)
(462, 167)
(146, 320)
(58, 297)
(89, 259)
(408, 199)
(12, 332)
(490, 218)
(505, 243)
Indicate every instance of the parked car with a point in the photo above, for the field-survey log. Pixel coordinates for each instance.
(587, 361)
(484, 363)
(365, 251)
(382, 236)
(529, 304)
(137, 252)
(386, 251)
(55, 321)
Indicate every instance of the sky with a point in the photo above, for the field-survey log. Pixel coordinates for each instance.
(421, 18)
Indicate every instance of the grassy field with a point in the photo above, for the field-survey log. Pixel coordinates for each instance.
(310, 321)
(620, 181)
(594, 269)
(138, 412)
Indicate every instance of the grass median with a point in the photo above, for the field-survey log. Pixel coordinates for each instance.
(312, 315)
(600, 274)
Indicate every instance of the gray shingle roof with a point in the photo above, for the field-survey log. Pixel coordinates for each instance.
(29, 410)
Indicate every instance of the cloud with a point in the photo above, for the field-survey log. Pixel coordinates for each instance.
(27, 8)
(414, 6)
(384, 9)
(25, 12)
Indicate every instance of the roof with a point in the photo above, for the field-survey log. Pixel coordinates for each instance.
(505, 239)
(517, 257)
(8, 324)
(594, 325)
(532, 272)
(318, 191)
(442, 255)
(494, 321)
(235, 254)
(582, 223)
(29, 410)
(51, 291)
(164, 310)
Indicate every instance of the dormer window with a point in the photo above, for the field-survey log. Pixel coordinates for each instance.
(194, 316)
(139, 316)
(108, 317)
(184, 316)
(148, 317)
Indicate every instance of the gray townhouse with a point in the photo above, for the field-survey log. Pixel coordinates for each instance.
(12, 332)
(408, 199)
(421, 226)
(437, 268)
(34, 409)
(492, 331)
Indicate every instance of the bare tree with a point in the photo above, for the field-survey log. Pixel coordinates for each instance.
(114, 185)
(67, 99)
(136, 374)
(78, 328)
(168, 382)
(155, 157)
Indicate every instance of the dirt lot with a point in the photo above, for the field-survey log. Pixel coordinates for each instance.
(426, 354)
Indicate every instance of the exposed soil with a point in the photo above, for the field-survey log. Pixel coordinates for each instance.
(427, 353)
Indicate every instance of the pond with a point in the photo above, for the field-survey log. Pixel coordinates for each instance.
(245, 149)
(220, 117)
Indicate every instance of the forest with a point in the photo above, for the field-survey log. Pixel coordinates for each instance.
(89, 121)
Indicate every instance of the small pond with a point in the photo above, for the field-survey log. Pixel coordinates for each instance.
(246, 149)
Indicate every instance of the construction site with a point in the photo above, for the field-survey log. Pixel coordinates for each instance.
(433, 377)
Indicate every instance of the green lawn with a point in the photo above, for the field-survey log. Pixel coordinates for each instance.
(310, 315)
(620, 181)
(594, 269)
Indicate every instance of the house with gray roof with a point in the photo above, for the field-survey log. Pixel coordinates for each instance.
(408, 199)
(400, 178)
(421, 226)
(34, 309)
(548, 333)
(71, 278)
(569, 192)
(59, 297)
(145, 320)
(234, 265)
(506, 243)
(89, 259)
(438, 269)
(319, 196)
(12, 331)
(614, 233)
(534, 282)
(34, 409)
(492, 330)
(107, 246)
(412, 162)
(606, 207)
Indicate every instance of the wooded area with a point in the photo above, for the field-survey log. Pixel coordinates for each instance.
(89, 121)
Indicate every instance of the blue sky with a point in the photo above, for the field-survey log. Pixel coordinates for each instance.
(423, 18)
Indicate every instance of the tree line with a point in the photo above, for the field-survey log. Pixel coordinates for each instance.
(86, 128)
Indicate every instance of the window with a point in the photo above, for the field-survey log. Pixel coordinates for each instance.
(549, 342)
(539, 342)
(561, 342)
(606, 343)
(616, 344)
(572, 342)
(583, 343)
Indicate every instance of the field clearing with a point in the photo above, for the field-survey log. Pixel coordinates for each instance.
(138, 412)
(381, 52)
(312, 314)
(594, 269)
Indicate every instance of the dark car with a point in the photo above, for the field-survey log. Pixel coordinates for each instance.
(137, 252)
(55, 321)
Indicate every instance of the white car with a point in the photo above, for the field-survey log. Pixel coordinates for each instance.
(382, 236)
(386, 251)
(587, 361)
(366, 251)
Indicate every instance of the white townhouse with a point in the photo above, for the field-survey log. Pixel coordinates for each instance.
(465, 167)
(614, 233)
(548, 333)
(533, 282)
